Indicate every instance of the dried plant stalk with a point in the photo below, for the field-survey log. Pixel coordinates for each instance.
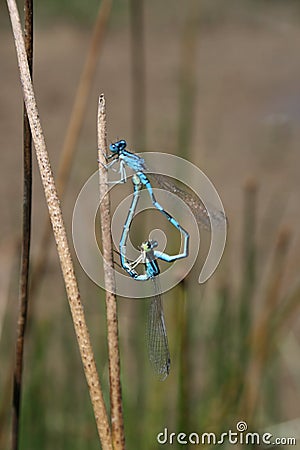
(110, 286)
(26, 234)
(249, 270)
(74, 128)
(288, 308)
(188, 78)
(82, 94)
(262, 336)
(138, 72)
(184, 345)
(60, 234)
(9, 251)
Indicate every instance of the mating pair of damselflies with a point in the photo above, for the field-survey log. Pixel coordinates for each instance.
(157, 340)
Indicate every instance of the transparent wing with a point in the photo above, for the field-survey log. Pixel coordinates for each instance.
(157, 340)
(201, 214)
(198, 209)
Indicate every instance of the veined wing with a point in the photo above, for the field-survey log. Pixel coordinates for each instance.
(201, 214)
(157, 340)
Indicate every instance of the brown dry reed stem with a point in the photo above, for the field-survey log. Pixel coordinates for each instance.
(138, 72)
(59, 231)
(25, 246)
(188, 77)
(9, 254)
(82, 94)
(288, 308)
(249, 268)
(5, 405)
(74, 128)
(118, 437)
(262, 335)
(184, 394)
(9, 251)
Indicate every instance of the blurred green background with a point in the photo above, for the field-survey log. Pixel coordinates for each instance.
(216, 82)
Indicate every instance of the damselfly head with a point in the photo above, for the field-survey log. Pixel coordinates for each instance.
(118, 146)
(144, 247)
(148, 245)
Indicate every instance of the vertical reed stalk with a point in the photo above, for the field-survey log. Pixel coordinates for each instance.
(249, 272)
(187, 95)
(262, 334)
(26, 234)
(74, 128)
(118, 437)
(5, 406)
(288, 308)
(9, 252)
(222, 358)
(60, 235)
(188, 84)
(138, 74)
(183, 419)
(82, 94)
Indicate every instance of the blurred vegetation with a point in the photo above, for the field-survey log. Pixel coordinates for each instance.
(76, 11)
(224, 337)
(224, 362)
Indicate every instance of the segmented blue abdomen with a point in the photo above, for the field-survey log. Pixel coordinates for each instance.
(152, 268)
